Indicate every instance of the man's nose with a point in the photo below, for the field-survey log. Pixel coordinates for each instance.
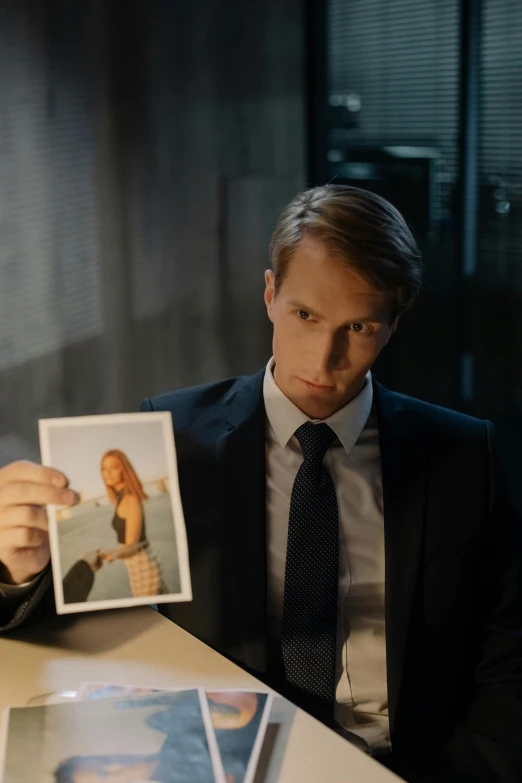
(332, 351)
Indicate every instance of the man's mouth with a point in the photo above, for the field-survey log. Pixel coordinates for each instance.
(317, 388)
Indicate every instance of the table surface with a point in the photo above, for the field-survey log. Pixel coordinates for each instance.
(140, 647)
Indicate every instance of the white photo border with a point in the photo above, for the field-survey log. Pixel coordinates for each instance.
(6, 714)
(258, 744)
(215, 755)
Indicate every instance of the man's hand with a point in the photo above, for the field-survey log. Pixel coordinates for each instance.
(25, 490)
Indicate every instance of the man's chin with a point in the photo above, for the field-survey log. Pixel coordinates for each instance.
(317, 406)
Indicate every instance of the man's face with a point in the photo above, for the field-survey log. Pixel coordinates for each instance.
(330, 326)
(133, 772)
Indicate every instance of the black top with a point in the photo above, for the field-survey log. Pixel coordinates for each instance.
(119, 524)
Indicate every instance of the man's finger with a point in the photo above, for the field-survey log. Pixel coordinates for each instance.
(24, 516)
(26, 493)
(23, 470)
(23, 538)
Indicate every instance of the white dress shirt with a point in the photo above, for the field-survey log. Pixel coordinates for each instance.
(355, 465)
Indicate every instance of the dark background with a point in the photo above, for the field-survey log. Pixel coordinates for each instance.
(146, 148)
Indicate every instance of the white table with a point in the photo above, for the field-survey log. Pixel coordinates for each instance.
(139, 646)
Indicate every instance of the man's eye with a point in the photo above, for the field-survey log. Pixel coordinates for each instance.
(359, 327)
(303, 315)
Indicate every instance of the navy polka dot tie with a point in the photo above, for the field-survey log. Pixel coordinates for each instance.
(309, 627)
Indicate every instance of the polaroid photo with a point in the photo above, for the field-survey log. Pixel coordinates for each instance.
(239, 719)
(164, 737)
(275, 741)
(125, 543)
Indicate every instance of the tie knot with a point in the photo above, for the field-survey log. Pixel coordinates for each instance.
(315, 440)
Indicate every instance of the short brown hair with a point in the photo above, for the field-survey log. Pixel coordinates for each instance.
(359, 227)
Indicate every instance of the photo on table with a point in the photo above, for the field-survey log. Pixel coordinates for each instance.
(275, 741)
(124, 543)
(239, 720)
(88, 691)
(164, 737)
(251, 727)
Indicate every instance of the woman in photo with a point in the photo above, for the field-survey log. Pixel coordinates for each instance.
(126, 493)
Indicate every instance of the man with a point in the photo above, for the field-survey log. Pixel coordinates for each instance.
(352, 546)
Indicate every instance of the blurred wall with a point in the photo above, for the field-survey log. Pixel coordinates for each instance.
(145, 150)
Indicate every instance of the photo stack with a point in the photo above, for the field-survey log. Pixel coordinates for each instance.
(131, 734)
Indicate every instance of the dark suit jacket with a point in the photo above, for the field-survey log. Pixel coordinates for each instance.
(453, 573)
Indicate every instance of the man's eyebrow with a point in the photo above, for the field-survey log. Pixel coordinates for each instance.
(376, 318)
(301, 306)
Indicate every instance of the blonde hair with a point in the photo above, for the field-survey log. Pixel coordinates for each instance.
(359, 227)
(130, 479)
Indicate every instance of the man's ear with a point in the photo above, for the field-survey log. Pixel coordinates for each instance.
(269, 291)
(394, 324)
(393, 327)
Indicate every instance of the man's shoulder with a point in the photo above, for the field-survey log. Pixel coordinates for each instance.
(202, 414)
(205, 393)
(438, 419)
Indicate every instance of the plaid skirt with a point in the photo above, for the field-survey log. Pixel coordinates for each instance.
(145, 574)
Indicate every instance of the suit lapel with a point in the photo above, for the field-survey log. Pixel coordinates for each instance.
(404, 475)
(241, 466)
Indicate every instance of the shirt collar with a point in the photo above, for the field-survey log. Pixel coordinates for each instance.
(285, 417)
